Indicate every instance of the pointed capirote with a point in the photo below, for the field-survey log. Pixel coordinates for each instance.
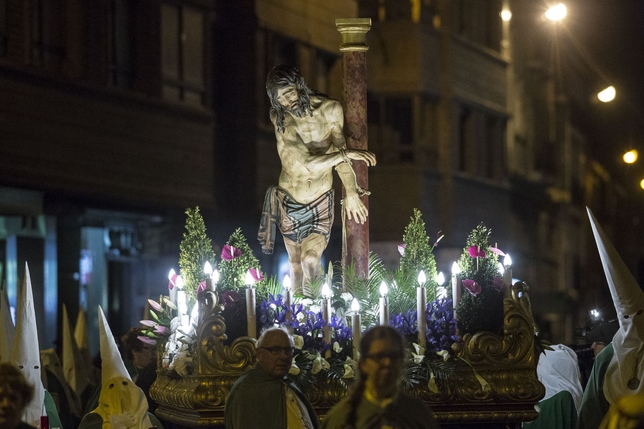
(119, 396)
(7, 328)
(26, 349)
(82, 341)
(80, 330)
(74, 367)
(625, 373)
(111, 361)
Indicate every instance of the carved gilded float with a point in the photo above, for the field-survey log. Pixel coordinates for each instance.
(507, 363)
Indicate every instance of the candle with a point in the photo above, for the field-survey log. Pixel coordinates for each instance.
(251, 317)
(421, 304)
(326, 311)
(182, 305)
(507, 274)
(288, 296)
(384, 304)
(207, 270)
(456, 286)
(355, 327)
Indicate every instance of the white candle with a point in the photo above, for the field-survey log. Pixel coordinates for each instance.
(182, 305)
(507, 274)
(326, 311)
(384, 304)
(456, 286)
(251, 317)
(288, 296)
(356, 327)
(421, 304)
(207, 270)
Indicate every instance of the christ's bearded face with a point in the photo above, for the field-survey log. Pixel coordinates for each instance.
(288, 98)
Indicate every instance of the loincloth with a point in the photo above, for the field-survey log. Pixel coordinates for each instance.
(296, 221)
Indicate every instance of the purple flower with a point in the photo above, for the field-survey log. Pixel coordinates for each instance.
(202, 287)
(230, 298)
(472, 287)
(497, 251)
(228, 253)
(155, 305)
(401, 249)
(148, 323)
(256, 274)
(147, 340)
(498, 283)
(476, 252)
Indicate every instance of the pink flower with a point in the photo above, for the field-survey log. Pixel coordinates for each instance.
(498, 283)
(155, 305)
(147, 340)
(202, 286)
(497, 251)
(228, 253)
(476, 252)
(172, 281)
(472, 287)
(256, 274)
(149, 323)
(161, 330)
(401, 249)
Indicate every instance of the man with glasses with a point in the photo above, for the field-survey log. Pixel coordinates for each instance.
(263, 397)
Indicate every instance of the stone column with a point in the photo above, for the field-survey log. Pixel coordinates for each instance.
(354, 77)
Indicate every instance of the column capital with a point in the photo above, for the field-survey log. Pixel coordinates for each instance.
(354, 33)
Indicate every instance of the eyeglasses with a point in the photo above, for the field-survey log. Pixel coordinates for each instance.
(379, 357)
(276, 351)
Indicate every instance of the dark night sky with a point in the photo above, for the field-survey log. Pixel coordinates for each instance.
(607, 36)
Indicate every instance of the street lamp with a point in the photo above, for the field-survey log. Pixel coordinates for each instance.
(506, 14)
(557, 12)
(630, 156)
(606, 95)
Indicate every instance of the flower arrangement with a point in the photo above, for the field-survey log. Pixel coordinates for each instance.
(333, 357)
(481, 304)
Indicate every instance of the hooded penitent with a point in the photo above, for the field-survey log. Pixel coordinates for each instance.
(26, 350)
(625, 372)
(7, 330)
(74, 367)
(121, 404)
(558, 370)
(49, 361)
(82, 341)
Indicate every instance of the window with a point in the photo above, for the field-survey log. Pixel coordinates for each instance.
(464, 138)
(47, 34)
(399, 118)
(120, 48)
(183, 54)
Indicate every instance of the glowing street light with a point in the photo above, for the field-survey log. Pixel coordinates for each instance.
(630, 156)
(557, 12)
(642, 184)
(606, 95)
(506, 15)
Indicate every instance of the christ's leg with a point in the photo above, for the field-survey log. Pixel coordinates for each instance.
(312, 248)
(294, 251)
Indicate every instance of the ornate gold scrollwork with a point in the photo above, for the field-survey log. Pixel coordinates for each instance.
(213, 357)
(506, 363)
